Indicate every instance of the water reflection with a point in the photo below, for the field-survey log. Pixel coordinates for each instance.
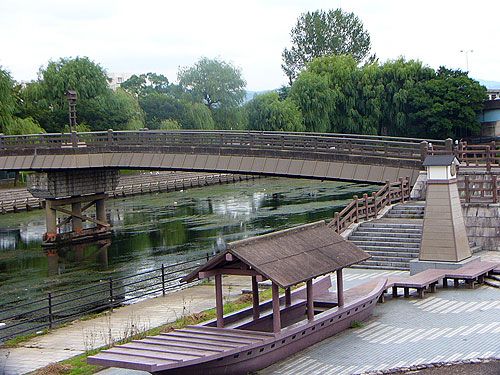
(161, 228)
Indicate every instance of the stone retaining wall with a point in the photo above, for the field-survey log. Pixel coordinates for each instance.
(483, 224)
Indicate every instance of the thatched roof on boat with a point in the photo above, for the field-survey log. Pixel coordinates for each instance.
(286, 257)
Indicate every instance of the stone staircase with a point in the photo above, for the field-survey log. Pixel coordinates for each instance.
(393, 240)
(493, 279)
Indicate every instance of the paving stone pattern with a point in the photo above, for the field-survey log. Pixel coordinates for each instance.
(455, 324)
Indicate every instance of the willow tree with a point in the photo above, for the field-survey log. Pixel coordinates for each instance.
(323, 33)
(267, 112)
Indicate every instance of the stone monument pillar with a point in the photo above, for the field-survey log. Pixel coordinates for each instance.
(444, 239)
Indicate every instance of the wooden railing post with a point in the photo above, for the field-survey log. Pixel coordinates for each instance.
(388, 196)
(1, 141)
(401, 181)
(110, 137)
(355, 197)
(74, 139)
(365, 197)
(424, 149)
(375, 208)
(467, 191)
(448, 145)
(336, 220)
(494, 186)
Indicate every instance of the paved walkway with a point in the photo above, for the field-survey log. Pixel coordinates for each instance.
(76, 338)
(451, 325)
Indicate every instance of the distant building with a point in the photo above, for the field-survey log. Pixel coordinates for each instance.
(116, 79)
(490, 116)
(493, 94)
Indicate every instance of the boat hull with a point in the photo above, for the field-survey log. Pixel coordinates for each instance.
(287, 343)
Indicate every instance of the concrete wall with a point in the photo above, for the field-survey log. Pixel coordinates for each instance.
(483, 224)
(62, 184)
(490, 129)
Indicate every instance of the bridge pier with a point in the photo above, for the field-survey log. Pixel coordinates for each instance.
(72, 193)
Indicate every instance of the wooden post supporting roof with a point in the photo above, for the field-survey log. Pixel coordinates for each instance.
(219, 307)
(310, 301)
(255, 298)
(276, 309)
(340, 288)
(288, 297)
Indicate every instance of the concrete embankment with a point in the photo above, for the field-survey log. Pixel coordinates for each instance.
(16, 200)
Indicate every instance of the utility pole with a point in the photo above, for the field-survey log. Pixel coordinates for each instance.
(466, 52)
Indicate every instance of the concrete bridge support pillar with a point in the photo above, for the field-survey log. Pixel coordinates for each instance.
(72, 192)
(76, 221)
(100, 209)
(50, 221)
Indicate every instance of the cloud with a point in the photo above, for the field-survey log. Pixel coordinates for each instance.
(132, 36)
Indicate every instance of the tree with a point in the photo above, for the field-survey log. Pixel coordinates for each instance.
(398, 78)
(268, 112)
(7, 100)
(216, 83)
(145, 84)
(323, 33)
(18, 126)
(447, 105)
(116, 110)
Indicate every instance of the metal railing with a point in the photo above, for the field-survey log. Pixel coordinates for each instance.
(369, 206)
(101, 295)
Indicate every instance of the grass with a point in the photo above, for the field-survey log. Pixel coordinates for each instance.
(78, 365)
(14, 342)
(356, 324)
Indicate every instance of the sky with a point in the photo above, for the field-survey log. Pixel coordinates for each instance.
(160, 36)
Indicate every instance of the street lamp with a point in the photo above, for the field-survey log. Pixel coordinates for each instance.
(71, 96)
(466, 51)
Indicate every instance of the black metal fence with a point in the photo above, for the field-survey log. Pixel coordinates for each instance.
(57, 308)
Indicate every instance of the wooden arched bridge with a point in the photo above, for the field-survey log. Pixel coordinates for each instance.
(304, 155)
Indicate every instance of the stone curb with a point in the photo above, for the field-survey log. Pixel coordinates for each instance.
(407, 369)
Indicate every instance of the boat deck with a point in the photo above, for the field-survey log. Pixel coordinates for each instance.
(192, 344)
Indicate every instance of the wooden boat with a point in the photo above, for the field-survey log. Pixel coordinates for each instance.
(256, 337)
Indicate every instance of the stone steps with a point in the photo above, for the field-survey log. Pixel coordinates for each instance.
(384, 238)
(387, 235)
(492, 282)
(393, 240)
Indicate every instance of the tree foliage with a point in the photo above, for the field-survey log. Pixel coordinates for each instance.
(400, 98)
(97, 106)
(323, 33)
(267, 112)
(7, 100)
(216, 83)
(144, 84)
(446, 105)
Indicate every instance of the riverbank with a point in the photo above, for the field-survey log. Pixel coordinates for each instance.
(80, 336)
(20, 199)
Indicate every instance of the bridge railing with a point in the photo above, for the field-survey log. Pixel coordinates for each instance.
(485, 156)
(351, 144)
(479, 188)
(368, 207)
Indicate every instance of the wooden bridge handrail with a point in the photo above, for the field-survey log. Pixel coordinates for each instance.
(368, 206)
(234, 138)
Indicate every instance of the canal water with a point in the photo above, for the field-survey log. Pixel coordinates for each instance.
(164, 228)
